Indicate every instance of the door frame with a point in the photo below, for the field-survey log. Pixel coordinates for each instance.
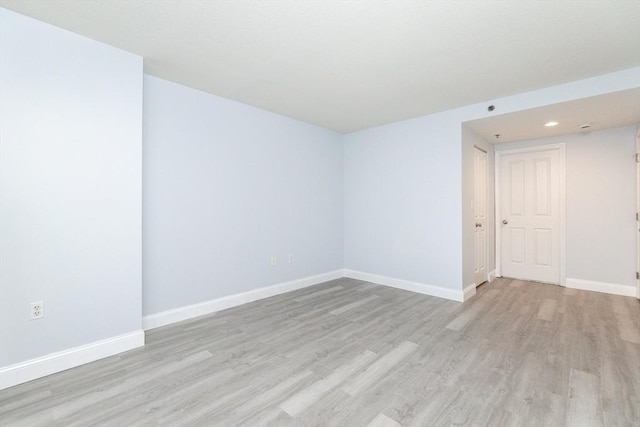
(563, 206)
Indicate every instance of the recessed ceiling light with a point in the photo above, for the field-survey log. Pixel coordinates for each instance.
(551, 124)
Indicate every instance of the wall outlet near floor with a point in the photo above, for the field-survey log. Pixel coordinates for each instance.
(36, 310)
(291, 258)
(274, 260)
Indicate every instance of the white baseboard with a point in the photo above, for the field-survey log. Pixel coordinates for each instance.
(60, 361)
(468, 291)
(420, 288)
(492, 276)
(207, 307)
(607, 288)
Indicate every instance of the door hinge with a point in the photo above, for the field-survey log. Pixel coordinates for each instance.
(637, 157)
(637, 275)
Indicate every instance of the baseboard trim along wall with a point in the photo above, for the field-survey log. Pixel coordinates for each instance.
(469, 291)
(56, 362)
(407, 285)
(207, 307)
(607, 288)
(60, 361)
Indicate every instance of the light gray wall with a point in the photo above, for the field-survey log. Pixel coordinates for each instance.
(600, 203)
(470, 140)
(404, 187)
(402, 201)
(227, 186)
(70, 189)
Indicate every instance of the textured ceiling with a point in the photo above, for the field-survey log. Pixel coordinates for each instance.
(349, 65)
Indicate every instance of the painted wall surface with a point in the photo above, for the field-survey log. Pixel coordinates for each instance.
(600, 203)
(402, 201)
(404, 186)
(470, 140)
(227, 186)
(70, 189)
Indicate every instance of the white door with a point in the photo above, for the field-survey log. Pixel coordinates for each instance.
(529, 214)
(480, 215)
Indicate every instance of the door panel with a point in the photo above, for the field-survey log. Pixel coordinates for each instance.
(516, 247)
(541, 191)
(530, 215)
(516, 195)
(543, 247)
(480, 215)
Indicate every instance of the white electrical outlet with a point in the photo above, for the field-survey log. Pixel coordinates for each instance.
(274, 260)
(36, 310)
(291, 258)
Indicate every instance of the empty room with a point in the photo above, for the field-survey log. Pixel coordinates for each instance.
(319, 213)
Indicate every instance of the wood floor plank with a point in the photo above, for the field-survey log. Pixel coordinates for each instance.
(547, 310)
(628, 330)
(264, 400)
(352, 353)
(381, 420)
(305, 398)
(471, 312)
(318, 293)
(379, 368)
(353, 305)
(584, 406)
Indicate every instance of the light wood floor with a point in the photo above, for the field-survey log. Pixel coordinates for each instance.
(350, 353)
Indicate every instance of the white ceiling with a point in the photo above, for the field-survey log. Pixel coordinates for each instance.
(599, 112)
(349, 65)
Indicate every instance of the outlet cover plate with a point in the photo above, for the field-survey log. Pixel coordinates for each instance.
(36, 310)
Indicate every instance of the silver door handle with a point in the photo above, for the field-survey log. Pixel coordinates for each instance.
(505, 222)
